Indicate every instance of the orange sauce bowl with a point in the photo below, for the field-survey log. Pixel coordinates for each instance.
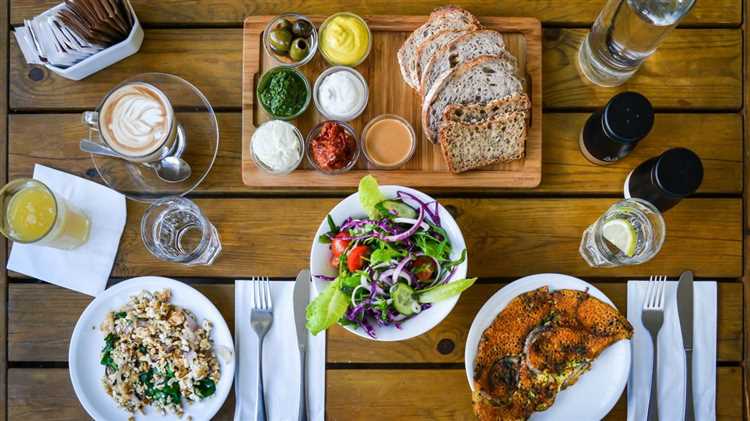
(388, 141)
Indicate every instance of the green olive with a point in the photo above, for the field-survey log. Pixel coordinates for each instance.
(299, 49)
(283, 24)
(302, 28)
(280, 40)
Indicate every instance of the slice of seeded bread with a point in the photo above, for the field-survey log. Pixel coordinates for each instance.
(441, 19)
(463, 49)
(469, 146)
(478, 113)
(477, 82)
(427, 48)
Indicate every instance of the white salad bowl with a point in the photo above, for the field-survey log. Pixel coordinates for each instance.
(320, 256)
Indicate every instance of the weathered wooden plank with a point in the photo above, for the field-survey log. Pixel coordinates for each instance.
(209, 58)
(565, 169)
(572, 12)
(4, 35)
(34, 336)
(677, 76)
(509, 237)
(46, 395)
(445, 394)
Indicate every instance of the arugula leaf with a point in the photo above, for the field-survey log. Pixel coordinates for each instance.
(385, 253)
(327, 308)
(370, 196)
(431, 246)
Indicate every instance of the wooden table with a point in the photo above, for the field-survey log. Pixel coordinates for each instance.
(696, 81)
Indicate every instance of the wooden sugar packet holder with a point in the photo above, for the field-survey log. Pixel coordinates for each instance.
(390, 94)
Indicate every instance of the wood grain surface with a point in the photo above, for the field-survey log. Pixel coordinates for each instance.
(34, 336)
(4, 35)
(389, 94)
(508, 237)
(223, 12)
(46, 395)
(677, 76)
(565, 170)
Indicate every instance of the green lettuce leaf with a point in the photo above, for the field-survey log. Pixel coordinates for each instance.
(370, 196)
(327, 308)
(443, 292)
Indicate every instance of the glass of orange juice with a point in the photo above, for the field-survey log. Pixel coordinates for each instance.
(33, 214)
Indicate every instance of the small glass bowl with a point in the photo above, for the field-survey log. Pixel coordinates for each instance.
(412, 149)
(264, 80)
(286, 60)
(314, 133)
(319, 81)
(268, 169)
(369, 39)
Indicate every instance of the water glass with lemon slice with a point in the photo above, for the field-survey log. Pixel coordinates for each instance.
(33, 213)
(631, 232)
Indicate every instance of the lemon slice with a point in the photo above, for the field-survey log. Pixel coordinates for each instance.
(621, 233)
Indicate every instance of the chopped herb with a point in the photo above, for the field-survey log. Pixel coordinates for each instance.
(109, 345)
(284, 94)
(120, 315)
(205, 388)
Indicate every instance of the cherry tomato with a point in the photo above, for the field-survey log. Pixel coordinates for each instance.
(356, 258)
(423, 268)
(339, 244)
(335, 261)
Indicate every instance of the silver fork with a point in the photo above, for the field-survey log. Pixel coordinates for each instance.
(652, 318)
(261, 318)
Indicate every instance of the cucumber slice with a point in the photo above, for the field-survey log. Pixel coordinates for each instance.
(403, 299)
(402, 210)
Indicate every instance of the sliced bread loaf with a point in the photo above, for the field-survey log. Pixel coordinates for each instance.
(469, 146)
(461, 50)
(441, 19)
(476, 82)
(427, 48)
(478, 113)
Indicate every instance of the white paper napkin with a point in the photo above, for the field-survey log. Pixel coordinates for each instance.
(671, 365)
(84, 269)
(280, 359)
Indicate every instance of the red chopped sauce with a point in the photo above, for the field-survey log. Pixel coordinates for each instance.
(333, 148)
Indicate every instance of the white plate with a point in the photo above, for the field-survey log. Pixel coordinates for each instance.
(597, 391)
(419, 324)
(88, 341)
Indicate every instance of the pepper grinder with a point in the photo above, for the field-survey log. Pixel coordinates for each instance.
(611, 134)
(666, 179)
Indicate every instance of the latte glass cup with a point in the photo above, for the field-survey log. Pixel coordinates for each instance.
(135, 120)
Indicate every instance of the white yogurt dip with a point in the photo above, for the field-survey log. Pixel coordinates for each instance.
(342, 95)
(276, 145)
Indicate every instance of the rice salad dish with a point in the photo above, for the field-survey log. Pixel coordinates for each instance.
(156, 353)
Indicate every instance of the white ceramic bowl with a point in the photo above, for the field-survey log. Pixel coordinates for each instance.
(608, 374)
(424, 321)
(87, 342)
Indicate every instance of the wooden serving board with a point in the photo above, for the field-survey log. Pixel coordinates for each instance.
(388, 93)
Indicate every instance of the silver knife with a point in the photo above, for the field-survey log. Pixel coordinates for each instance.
(685, 310)
(301, 298)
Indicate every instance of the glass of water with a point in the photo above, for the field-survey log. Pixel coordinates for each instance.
(625, 34)
(175, 230)
(631, 232)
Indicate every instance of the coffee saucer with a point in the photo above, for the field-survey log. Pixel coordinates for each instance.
(194, 114)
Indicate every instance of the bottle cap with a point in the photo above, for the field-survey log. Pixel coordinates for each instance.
(627, 117)
(678, 172)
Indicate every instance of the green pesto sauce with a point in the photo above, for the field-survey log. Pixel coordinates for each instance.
(284, 94)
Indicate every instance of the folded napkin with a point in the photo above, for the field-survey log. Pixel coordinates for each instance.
(84, 269)
(280, 359)
(671, 366)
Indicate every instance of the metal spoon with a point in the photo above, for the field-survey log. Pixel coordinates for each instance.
(97, 149)
(173, 169)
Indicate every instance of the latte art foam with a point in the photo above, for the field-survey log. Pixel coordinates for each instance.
(136, 119)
